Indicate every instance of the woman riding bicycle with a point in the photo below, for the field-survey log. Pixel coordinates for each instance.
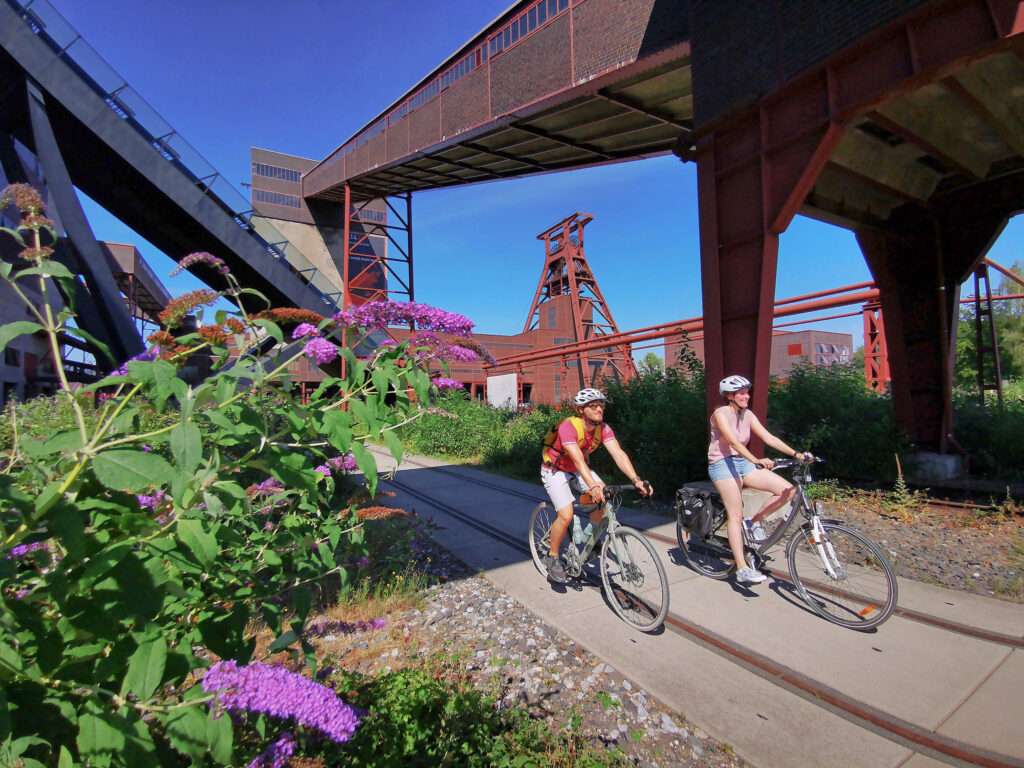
(732, 467)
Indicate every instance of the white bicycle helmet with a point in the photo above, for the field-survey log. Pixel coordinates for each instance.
(588, 395)
(732, 383)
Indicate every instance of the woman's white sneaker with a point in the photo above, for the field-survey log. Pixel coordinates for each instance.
(748, 575)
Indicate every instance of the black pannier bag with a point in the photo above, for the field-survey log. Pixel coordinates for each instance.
(695, 510)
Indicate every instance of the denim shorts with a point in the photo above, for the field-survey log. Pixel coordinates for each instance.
(730, 466)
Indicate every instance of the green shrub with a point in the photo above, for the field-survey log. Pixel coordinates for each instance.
(462, 437)
(830, 412)
(992, 435)
(415, 720)
(514, 449)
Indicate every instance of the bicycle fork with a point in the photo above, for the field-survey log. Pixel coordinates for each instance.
(823, 547)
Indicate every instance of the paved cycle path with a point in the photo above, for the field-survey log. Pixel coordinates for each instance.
(931, 680)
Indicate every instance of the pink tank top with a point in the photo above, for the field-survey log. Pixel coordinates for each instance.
(720, 447)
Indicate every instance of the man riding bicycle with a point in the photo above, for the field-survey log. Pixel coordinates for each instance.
(564, 466)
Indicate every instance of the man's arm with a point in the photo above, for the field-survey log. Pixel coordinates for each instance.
(575, 453)
(626, 466)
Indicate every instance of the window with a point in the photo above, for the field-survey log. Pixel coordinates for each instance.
(532, 15)
(12, 357)
(276, 198)
(275, 172)
(542, 12)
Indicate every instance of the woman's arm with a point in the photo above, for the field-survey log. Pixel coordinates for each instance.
(769, 439)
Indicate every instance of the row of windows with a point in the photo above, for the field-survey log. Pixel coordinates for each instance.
(266, 196)
(531, 19)
(274, 172)
(367, 214)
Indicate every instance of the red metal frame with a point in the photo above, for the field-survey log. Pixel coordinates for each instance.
(359, 288)
(876, 356)
(567, 273)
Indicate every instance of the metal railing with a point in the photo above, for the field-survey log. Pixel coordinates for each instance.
(51, 27)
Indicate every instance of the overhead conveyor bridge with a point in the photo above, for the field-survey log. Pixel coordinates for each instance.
(90, 129)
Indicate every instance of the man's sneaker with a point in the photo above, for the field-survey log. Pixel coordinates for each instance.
(748, 575)
(556, 571)
(756, 530)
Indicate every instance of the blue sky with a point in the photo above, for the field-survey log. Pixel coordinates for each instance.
(302, 76)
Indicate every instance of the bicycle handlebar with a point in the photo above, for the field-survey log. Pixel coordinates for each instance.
(787, 463)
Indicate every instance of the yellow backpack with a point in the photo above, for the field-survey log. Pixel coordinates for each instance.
(552, 434)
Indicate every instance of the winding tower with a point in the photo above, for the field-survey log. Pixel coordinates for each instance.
(569, 298)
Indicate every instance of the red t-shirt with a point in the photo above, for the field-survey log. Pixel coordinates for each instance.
(567, 434)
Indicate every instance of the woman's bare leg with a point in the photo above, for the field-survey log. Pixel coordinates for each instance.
(780, 488)
(731, 491)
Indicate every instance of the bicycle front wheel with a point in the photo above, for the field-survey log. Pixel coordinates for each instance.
(846, 578)
(709, 556)
(634, 579)
(540, 534)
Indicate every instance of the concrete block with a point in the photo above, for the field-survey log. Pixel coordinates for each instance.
(924, 467)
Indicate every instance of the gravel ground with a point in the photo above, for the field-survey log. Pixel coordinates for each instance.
(524, 663)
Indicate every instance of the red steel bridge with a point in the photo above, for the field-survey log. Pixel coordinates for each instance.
(900, 120)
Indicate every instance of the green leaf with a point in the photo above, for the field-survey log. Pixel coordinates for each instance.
(62, 442)
(202, 544)
(366, 415)
(99, 737)
(146, 667)
(271, 558)
(133, 471)
(187, 446)
(10, 331)
(336, 425)
(6, 267)
(186, 728)
(380, 380)
(366, 463)
(302, 598)
(159, 379)
(288, 638)
(65, 760)
(394, 445)
(219, 736)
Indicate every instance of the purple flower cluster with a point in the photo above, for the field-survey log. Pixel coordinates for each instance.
(277, 692)
(202, 257)
(145, 356)
(338, 627)
(345, 463)
(305, 329)
(320, 351)
(443, 349)
(21, 550)
(444, 383)
(269, 487)
(151, 502)
(380, 314)
(277, 754)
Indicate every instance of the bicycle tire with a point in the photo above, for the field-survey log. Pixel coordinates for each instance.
(709, 557)
(540, 530)
(865, 592)
(637, 587)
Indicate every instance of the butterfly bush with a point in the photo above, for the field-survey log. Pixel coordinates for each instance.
(381, 314)
(258, 688)
(174, 517)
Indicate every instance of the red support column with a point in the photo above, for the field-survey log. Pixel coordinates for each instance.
(876, 356)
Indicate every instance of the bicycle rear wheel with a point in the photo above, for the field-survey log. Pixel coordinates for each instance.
(634, 579)
(709, 556)
(540, 534)
(846, 578)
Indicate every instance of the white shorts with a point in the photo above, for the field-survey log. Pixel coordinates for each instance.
(559, 485)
